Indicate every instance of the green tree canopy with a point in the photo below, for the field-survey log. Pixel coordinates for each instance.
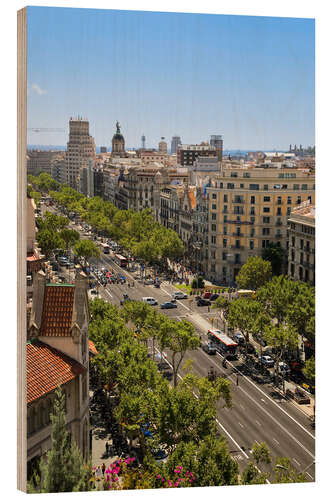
(274, 253)
(254, 273)
(86, 249)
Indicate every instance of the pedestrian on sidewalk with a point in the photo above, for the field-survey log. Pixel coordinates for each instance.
(103, 468)
(107, 448)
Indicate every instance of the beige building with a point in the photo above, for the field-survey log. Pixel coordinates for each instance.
(301, 252)
(42, 161)
(80, 149)
(163, 146)
(248, 208)
(57, 353)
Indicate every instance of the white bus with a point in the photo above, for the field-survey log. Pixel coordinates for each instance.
(224, 344)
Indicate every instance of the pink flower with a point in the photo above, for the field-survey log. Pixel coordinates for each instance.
(162, 479)
(169, 482)
(158, 476)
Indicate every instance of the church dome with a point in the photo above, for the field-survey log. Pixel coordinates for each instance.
(118, 141)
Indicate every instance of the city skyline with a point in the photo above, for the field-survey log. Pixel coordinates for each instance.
(162, 74)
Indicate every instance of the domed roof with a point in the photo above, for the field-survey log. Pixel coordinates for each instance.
(118, 136)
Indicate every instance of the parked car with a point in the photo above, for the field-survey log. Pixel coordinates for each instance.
(203, 302)
(207, 295)
(150, 300)
(214, 296)
(267, 360)
(168, 305)
(209, 348)
(93, 294)
(149, 282)
(283, 368)
(179, 295)
(239, 338)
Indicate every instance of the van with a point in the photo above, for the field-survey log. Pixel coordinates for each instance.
(150, 300)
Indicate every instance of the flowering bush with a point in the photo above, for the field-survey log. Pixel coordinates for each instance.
(180, 479)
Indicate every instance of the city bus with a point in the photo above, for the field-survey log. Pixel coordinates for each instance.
(105, 248)
(224, 344)
(120, 260)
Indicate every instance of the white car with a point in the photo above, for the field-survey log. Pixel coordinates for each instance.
(283, 368)
(267, 361)
(179, 295)
(150, 300)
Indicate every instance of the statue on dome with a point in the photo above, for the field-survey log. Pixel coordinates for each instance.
(118, 127)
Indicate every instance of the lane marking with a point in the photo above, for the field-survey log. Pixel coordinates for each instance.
(258, 423)
(276, 441)
(309, 475)
(242, 426)
(271, 400)
(294, 459)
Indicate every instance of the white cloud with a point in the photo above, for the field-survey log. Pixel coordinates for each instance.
(36, 88)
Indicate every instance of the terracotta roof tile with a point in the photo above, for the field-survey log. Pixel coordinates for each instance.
(46, 368)
(92, 347)
(57, 310)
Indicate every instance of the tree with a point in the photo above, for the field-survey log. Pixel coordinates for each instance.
(86, 249)
(254, 273)
(276, 296)
(274, 253)
(52, 221)
(70, 237)
(283, 338)
(242, 315)
(309, 369)
(64, 469)
(301, 311)
(48, 241)
(252, 474)
(180, 337)
(285, 473)
(222, 304)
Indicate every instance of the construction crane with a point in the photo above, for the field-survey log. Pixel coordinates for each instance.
(41, 129)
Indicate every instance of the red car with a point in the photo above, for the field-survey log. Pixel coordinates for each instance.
(207, 295)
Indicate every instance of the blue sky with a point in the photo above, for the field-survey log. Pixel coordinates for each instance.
(250, 79)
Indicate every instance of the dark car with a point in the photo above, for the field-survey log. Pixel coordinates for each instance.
(214, 297)
(203, 302)
(168, 305)
(209, 348)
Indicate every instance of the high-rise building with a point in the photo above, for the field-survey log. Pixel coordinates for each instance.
(80, 149)
(217, 142)
(175, 142)
(187, 154)
(163, 146)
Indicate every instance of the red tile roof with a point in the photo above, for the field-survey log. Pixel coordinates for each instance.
(57, 310)
(47, 368)
(92, 347)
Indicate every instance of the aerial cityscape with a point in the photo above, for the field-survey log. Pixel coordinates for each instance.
(170, 267)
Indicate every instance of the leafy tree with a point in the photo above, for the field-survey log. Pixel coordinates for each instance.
(283, 338)
(181, 337)
(301, 310)
(209, 461)
(252, 474)
(222, 304)
(285, 473)
(274, 253)
(254, 273)
(86, 249)
(309, 369)
(243, 314)
(48, 241)
(70, 237)
(276, 296)
(64, 469)
(52, 222)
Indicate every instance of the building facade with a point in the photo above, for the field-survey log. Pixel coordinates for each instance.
(163, 146)
(42, 161)
(118, 142)
(80, 149)
(175, 142)
(249, 209)
(187, 154)
(301, 251)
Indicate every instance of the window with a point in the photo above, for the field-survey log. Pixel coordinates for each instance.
(213, 254)
(299, 200)
(289, 200)
(252, 232)
(304, 187)
(296, 187)
(225, 218)
(265, 231)
(237, 243)
(225, 209)
(279, 200)
(267, 199)
(278, 211)
(224, 243)
(252, 211)
(212, 268)
(266, 220)
(246, 175)
(213, 240)
(251, 244)
(254, 187)
(302, 244)
(252, 219)
(213, 227)
(225, 198)
(253, 199)
(234, 174)
(288, 210)
(213, 206)
(224, 256)
(265, 187)
(213, 216)
(267, 210)
(225, 230)
(230, 185)
(214, 196)
(293, 241)
(221, 185)
(241, 186)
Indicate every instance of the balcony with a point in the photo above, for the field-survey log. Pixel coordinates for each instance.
(235, 247)
(238, 234)
(238, 201)
(278, 235)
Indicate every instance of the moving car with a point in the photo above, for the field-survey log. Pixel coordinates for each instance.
(209, 348)
(203, 302)
(93, 294)
(179, 295)
(150, 300)
(267, 360)
(168, 305)
(239, 338)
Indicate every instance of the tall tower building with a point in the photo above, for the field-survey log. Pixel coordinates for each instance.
(175, 142)
(80, 149)
(143, 142)
(163, 146)
(118, 141)
(217, 142)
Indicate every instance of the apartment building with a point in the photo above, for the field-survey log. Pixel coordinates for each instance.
(42, 161)
(187, 154)
(248, 208)
(80, 149)
(301, 252)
